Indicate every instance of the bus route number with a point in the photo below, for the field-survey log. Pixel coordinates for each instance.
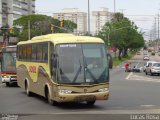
(32, 69)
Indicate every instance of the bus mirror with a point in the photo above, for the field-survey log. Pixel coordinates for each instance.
(110, 61)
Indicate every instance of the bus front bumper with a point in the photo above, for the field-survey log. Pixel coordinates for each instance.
(81, 97)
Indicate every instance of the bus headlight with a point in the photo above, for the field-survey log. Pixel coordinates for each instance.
(103, 90)
(65, 91)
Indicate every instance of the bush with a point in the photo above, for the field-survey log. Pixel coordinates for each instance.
(117, 61)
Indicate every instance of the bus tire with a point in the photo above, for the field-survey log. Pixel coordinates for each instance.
(50, 101)
(27, 89)
(48, 97)
(91, 103)
(7, 84)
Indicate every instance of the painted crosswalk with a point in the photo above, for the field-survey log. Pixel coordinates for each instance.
(132, 76)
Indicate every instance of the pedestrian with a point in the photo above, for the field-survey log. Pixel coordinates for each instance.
(127, 67)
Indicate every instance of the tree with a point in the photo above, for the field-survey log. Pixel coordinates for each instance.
(123, 34)
(40, 25)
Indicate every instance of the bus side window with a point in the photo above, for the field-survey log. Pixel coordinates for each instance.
(45, 52)
(52, 60)
(45, 57)
(39, 52)
(34, 54)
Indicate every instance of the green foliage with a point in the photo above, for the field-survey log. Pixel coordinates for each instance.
(117, 61)
(123, 34)
(69, 25)
(41, 25)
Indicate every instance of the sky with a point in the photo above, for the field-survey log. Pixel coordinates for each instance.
(141, 12)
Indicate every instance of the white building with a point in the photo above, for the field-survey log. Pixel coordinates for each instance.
(14, 9)
(76, 16)
(100, 18)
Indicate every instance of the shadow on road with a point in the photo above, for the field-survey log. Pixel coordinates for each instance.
(65, 105)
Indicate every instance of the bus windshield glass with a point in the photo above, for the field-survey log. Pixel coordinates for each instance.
(82, 63)
(8, 62)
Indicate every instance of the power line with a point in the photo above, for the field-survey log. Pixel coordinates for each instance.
(142, 15)
(143, 20)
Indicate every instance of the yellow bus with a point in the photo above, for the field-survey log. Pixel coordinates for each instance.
(8, 65)
(64, 68)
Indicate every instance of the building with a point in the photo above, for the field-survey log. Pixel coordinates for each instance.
(76, 16)
(14, 9)
(100, 18)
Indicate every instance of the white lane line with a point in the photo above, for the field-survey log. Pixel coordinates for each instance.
(141, 78)
(134, 111)
(147, 105)
(131, 73)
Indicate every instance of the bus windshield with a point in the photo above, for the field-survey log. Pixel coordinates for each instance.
(82, 63)
(8, 62)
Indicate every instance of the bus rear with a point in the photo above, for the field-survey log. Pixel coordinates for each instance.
(8, 65)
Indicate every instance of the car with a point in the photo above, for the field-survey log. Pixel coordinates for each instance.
(145, 52)
(139, 53)
(137, 69)
(153, 53)
(146, 57)
(146, 64)
(153, 68)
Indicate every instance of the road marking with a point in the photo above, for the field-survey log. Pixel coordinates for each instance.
(141, 78)
(134, 111)
(147, 105)
(130, 74)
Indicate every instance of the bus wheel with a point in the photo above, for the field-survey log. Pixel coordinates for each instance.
(49, 100)
(90, 103)
(7, 84)
(27, 89)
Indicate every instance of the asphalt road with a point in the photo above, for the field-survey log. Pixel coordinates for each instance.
(130, 94)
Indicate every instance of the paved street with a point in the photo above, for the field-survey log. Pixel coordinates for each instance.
(130, 93)
(64, 51)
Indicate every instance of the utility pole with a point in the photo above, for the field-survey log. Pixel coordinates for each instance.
(88, 17)
(29, 30)
(155, 28)
(6, 33)
(122, 10)
(114, 6)
(155, 33)
(158, 29)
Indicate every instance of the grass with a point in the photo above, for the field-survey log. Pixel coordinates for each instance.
(117, 62)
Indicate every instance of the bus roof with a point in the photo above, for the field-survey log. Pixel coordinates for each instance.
(63, 38)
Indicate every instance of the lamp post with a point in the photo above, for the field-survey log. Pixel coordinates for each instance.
(88, 17)
(158, 30)
(114, 6)
(108, 42)
(108, 34)
(29, 29)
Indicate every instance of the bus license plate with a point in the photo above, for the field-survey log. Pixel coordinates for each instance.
(84, 98)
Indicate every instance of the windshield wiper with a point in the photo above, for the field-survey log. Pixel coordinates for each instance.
(87, 69)
(78, 72)
(103, 76)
